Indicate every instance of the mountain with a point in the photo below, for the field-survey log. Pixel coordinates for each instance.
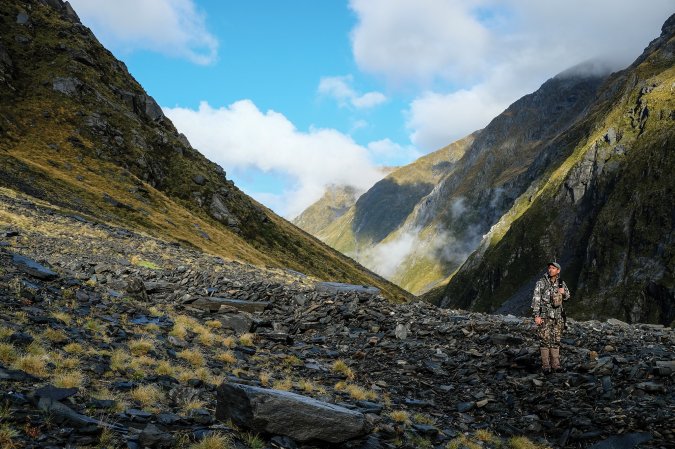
(332, 205)
(419, 224)
(602, 204)
(78, 131)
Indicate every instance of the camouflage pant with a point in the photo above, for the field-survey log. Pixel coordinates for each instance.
(550, 332)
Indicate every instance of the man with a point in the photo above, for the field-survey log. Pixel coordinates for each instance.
(549, 295)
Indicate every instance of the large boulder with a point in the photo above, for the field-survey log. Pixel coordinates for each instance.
(284, 413)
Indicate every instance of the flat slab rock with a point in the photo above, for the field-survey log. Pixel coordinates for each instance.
(284, 413)
(33, 268)
(215, 304)
(335, 287)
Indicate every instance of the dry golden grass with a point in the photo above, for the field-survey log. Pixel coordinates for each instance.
(68, 379)
(214, 324)
(205, 336)
(154, 311)
(360, 393)
(284, 384)
(341, 367)
(193, 356)
(228, 342)
(151, 328)
(118, 360)
(5, 332)
(36, 347)
(141, 346)
(264, 378)
(306, 385)
(165, 368)
(65, 363)
(292, 360)
(192, 404)
(32, 364)
(524, 443)
(8, 353)
(486, 436)
(8, 437)
(74, 348)
(121, 403)
(214, 441)
(54, 335)
(247, 339)
(179, 331)
(227, 357)
(400, 416)
(147, 395)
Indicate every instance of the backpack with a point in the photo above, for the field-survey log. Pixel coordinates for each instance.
(556, 296)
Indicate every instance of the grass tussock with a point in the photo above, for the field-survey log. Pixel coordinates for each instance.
(214, 441)
(74, 348)
(8, 353)
(228, 342)
(285, 384)
(227, 357)
(213, 324)
(400, 416)
(35, 365)
(141, 346)
(68, 379)
(264, 378)
(341, 367)
(8, 437)
(54, 335)
(192, 356)
(147, 395)
(247, 339)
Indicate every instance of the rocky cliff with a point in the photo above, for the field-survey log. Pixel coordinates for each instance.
(77, 130)
(334, 203)
(602, 204)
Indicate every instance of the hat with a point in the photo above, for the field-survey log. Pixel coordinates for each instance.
(555, 264)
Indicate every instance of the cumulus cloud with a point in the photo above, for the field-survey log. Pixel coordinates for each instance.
(242, 137)
(389, 152)
(172, 27)
(475, 57)
(340, 88)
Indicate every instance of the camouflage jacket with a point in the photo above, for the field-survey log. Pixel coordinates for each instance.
(542, 300)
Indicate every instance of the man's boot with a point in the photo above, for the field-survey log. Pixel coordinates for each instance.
(545, 365)
(555, 360)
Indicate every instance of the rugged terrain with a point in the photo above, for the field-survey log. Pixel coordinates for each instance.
(77, 130)
(111, 338)
(604, 207)
(435, 217)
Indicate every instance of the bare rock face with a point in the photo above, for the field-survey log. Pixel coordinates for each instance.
(280, 412)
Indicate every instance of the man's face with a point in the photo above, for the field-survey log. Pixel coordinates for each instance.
(553, 271)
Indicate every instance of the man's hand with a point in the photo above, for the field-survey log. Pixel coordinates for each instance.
(538, 320)
(561, 291)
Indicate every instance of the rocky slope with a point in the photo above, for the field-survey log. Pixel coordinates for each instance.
(77, 130)
(603, 205)
(110, 338)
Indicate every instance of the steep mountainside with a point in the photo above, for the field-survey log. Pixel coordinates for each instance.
(334, 203)
(78, 131)
(604, 207)
(428, 228)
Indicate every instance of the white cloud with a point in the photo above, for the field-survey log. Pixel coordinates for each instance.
(172, 27)
(391, 153)
(475, 57)
(241, 136)
(339, 87)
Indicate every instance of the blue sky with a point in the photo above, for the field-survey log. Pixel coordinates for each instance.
(290, 97)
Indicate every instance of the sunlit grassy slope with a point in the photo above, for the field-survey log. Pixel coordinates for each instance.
(78, 131)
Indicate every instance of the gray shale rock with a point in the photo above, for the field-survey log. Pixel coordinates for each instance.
(283, 413)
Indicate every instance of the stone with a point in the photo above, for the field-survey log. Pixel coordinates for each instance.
(153, 437)
(401, 331)
(55, 393)
(33, 268)
(136, 288)
(240, 323)
(67, 86)
(22, 18)
(199, 180)
(627, 441)
(284, 413)
(338, 287)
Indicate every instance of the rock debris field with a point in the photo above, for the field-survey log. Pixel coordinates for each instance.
(110, 338)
